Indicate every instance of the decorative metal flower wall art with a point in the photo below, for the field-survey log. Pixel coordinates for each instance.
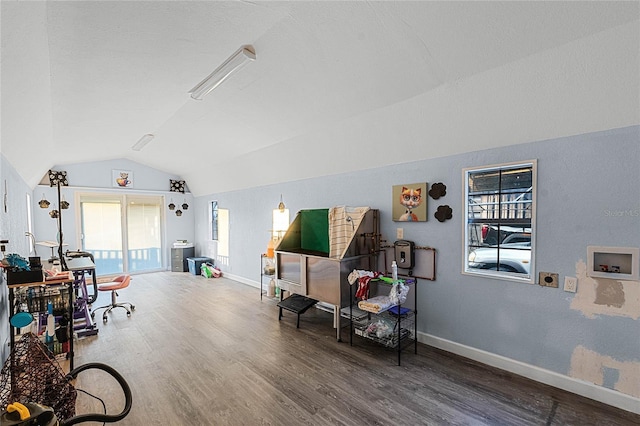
(443, 213)
(438, 190)
(176, 185)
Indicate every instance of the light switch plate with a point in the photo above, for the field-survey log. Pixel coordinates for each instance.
(399, 233)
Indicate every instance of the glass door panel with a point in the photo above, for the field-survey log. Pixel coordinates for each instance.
(102, 234)
(123, 232)
(144, 240)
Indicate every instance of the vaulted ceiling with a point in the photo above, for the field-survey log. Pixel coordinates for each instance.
(336, 86)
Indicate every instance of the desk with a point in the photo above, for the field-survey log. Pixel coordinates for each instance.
(63, 282)
(52, 245)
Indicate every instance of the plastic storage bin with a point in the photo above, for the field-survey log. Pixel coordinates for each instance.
(195, 262)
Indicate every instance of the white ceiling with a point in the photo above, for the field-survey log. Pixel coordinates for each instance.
(336, 86)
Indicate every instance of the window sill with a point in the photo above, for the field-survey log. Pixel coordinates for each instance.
(503, 276)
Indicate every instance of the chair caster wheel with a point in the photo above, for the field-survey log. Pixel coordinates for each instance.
(128, 314)
(133, 308)
(93, 315)
(104, 320)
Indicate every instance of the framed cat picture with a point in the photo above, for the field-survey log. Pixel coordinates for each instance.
(122, 178)
(409, 202)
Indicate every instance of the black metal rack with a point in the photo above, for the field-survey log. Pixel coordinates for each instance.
(265, 272)
(38, 294)
(404, 321)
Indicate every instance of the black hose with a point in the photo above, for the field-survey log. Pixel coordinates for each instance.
(96, 417)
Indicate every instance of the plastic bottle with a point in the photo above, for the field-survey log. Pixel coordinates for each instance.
(270, 248)
(394, 270)
(271, 291)
(50, 330)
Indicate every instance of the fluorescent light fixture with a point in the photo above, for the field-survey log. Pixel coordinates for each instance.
(236, 61)
(142, 142)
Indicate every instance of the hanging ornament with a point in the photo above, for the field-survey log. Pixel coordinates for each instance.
(64, 204)
(171, 205)
(54, 214)
(178, 212)
(44, 203)
(185, 206)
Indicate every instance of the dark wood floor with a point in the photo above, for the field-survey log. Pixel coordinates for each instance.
(202, 351)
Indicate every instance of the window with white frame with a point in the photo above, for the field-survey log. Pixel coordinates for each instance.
(214, 220)
(500, 220)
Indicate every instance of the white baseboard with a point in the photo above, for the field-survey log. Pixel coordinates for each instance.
(242, 280)
(548, 377)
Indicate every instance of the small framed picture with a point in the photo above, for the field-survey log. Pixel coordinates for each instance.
(409, 202)
(122, 178)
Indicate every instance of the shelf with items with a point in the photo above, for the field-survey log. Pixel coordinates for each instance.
(36, 301)
(42, 302)
(387, 329)
(386, 320)
(268, 275)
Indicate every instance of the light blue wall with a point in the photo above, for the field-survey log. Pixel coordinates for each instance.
(580, 179)
(96, 177)
(588, 194)
(13, 225)
(85, 177)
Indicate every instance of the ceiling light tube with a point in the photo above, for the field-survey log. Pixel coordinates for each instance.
(236, 61)
(142, 142)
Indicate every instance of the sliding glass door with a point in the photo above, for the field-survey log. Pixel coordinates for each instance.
(123, 232)
(143, 236)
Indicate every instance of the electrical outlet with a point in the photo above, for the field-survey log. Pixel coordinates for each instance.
(399, 233)
(548, 279)
(570, 284)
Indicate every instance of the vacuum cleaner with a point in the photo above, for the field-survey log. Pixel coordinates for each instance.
(32, 414)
